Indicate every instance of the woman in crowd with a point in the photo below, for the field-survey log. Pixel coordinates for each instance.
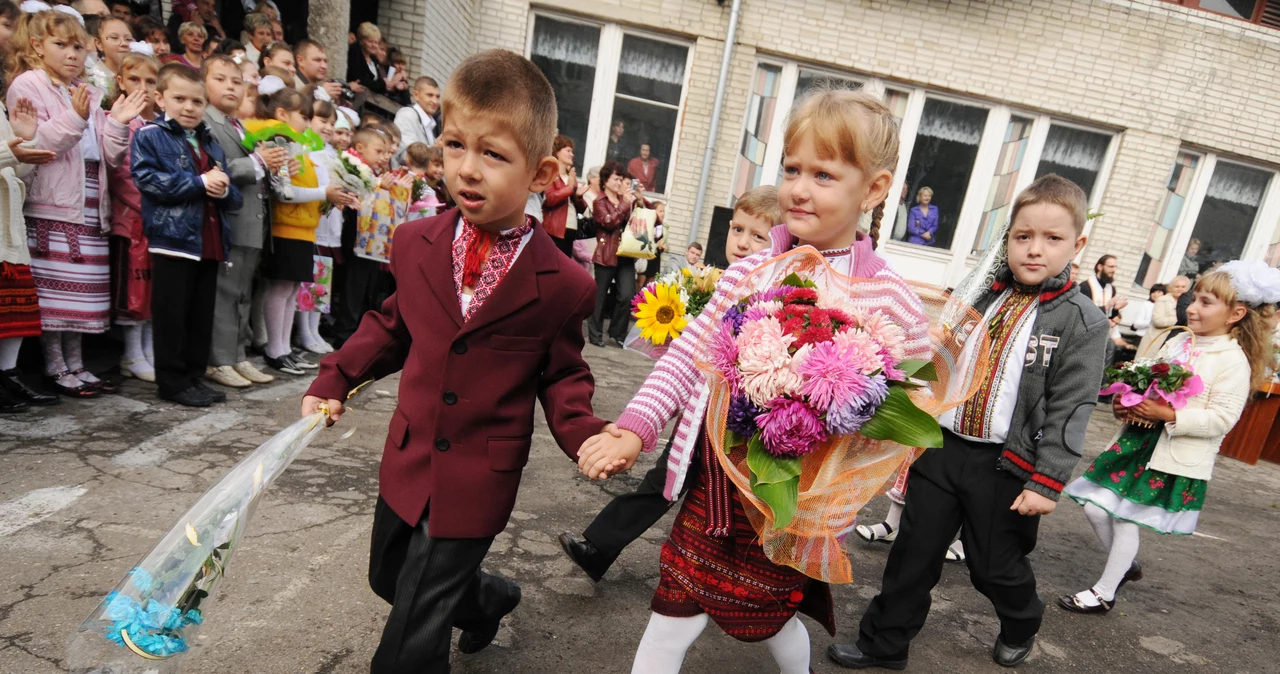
(557, 206)
(364, 70)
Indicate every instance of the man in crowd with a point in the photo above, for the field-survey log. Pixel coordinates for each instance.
(313, 66)
(417, 122)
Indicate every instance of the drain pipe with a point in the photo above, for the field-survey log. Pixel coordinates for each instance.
(709, 153)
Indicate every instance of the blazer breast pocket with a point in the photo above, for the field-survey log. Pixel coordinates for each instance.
(509, 343)
(508, 454)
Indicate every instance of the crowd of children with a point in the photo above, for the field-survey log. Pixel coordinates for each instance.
(134, 200)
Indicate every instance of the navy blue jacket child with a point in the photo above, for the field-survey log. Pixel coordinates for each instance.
(189, 237)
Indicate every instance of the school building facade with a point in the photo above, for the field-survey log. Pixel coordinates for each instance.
(1163, 111)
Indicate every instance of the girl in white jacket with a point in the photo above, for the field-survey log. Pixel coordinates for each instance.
(1157, 478)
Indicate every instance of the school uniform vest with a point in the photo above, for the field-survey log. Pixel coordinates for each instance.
(298, 221)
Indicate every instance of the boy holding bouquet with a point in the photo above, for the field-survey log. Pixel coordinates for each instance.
(488, 316)
(1007, 451)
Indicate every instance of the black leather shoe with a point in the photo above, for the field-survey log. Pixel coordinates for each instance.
(585, 555)
(11, 382)
(284, 364)
(475, 641)
(11, 405)
(1133, 575)
(1011, 656)
(214, 394)
(190, 397)
(848, 655)
(597, 342)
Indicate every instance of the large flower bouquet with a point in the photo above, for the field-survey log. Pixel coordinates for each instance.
(663, 308)
(353, 174)
(1172, 381)
(153, 613)
(279, 134)
(821, 386)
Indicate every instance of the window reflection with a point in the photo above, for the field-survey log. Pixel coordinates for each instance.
(1230, 208)
(646, 109)
(1074, 154)
(942, 160)
(566, 53)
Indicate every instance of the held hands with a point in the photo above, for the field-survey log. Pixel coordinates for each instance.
(274, 157)
(216, 183)
(340, 197)
(311, 405)
(127, 108)
(611, 452)
(80, 101)
(22, 117)
(386, 181)
(28, 155)
(1031, 503)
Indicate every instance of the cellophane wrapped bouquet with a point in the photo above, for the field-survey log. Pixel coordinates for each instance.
(819, 392)
(353, 174)
(150, 618)
(664, 308)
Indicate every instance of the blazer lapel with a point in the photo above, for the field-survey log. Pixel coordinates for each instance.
(520, 286)
(437, 264)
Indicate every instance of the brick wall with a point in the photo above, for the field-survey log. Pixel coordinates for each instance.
(435, 34)
(1162, 74)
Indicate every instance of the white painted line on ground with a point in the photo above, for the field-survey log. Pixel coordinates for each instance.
(155, 450)
(289, 389)
(36, 505)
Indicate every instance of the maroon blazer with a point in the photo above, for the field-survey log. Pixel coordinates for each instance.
(460, 436)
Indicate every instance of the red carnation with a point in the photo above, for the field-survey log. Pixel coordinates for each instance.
(814, 334)
(1160, 369)
(802, 296)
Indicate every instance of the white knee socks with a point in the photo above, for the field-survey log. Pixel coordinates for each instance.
(133, 342)
(665, 642)
(148, 345)
(279, 306)
(1124, 549)
(9, 349)
(790, 647)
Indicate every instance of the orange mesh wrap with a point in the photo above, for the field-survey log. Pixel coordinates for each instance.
(846, 472)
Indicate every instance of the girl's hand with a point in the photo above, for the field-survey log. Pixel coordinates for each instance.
(1117, 410)
(386, 181)
(127, 108)
(23, 118)
(1155, 410)
(1031, 503)
(340, 197)
(30, 155)
(295, 167)
(80, 101)
(273, 156)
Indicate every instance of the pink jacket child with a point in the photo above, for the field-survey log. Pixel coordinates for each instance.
(55, 191)
(677, 384)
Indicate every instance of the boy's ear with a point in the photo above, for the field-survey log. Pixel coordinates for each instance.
(159, 99)
(544, 174)
(1080, 242)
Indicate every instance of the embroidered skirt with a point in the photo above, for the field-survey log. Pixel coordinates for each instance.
(731, 579)
(71, 266)
(1119, 482)
(19, 307)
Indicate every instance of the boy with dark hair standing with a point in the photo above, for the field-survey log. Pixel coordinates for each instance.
(1008, 451)
(186, 192)
(487, 318)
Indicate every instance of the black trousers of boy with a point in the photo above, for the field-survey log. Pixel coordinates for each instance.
(433, 585)
(358, 295)
(956, 485)
(183, 293)
(629, 515)
(620, 321)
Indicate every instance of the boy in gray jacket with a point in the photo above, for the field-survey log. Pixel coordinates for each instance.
(1007, 451)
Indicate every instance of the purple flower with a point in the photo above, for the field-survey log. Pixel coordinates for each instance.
(790, 428)
(848, 418)
(734, 318)
(833, 375)
(742, 416)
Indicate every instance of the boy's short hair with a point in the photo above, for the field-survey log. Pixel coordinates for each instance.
(761, 202)
(510, 89)
(366, 135)
(418, 154)
(210, 61)
(425, 81)
(695, 246)
(171, 71)
(1054, 189)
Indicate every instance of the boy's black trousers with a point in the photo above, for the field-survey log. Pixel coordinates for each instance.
(956, 485)
(629, 515)
(182, 303)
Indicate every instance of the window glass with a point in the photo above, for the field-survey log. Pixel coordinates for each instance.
(761, 108)
(566, 53)
(1001, 193)
(1156, 254)
(646, 109)
(1227, 216)
(1074, 154)
(941, 166)
(1240, 9)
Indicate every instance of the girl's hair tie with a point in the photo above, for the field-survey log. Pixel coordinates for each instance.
(1256, 283)
(33, 6)
(321, 95)
(143, 48)
(342, 123)
(71, 12)
(270, 85)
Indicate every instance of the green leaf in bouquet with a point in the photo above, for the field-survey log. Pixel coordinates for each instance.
(793, 279)
(767, 468)
(732, 440)
(898, 419)
(923, 370)
(781, 497)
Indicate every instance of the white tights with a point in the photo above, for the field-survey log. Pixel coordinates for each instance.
(667, 639)
(1121, 541)
(280, 304)
(307, 328)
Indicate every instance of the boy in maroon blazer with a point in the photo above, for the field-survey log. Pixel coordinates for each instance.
(487, 316)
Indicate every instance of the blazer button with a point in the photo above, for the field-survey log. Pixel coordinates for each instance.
(442, 444)
(459, 347)
(450, 398)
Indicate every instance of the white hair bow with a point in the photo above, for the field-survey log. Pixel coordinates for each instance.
(1255, 282)
(342, 123)
(270, 85)
(70, 11)
(143, 48)
(350, 114)
(33, 6)
(321, 95)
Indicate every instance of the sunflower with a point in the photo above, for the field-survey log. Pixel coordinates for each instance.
(661, 315)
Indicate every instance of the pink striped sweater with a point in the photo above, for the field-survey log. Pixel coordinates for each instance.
(677, 386)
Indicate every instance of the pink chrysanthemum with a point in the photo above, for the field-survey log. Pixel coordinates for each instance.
(863, 348)
(833, 376)
(764, 359)
(790, 428)
(722, 353)
(887, 333)
(760, 310)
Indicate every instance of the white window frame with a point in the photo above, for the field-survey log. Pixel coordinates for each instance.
(605, 88)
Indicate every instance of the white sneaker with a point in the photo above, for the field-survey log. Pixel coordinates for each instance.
(225, 375)
(317, 348)
(138, 368)
(246, 369)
